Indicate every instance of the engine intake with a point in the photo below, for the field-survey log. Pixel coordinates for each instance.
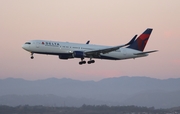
(78, 54)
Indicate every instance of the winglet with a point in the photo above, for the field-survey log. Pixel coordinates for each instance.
(132, 40)
(88, 42)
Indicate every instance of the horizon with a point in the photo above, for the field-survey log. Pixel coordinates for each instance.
(87, 80)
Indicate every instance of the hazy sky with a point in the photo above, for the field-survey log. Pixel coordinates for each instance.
(105, 22)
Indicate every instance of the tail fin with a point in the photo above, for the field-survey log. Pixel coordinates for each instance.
(140, 42)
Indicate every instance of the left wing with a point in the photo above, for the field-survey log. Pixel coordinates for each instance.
(107, 50)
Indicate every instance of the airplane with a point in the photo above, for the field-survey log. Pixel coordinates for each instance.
(65, 50)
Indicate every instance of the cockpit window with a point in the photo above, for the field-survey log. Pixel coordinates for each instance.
(28, 43)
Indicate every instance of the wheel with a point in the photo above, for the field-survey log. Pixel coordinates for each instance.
(82, 62)
(93, 61)
(32, 57)
(89, 62)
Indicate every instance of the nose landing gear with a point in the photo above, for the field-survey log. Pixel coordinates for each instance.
(32, 57)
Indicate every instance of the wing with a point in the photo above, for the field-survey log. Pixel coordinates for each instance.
(107, 50)
(103, 51)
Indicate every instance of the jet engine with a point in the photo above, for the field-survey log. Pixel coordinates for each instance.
(78, 54)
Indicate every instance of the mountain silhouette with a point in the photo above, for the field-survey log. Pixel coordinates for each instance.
(140, 91)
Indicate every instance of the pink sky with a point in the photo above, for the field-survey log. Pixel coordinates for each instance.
(105, 22)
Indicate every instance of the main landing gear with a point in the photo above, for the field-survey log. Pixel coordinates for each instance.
(84, 62)
(91, 61)
(32, 57)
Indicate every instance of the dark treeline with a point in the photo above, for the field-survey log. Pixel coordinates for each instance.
(85, 109)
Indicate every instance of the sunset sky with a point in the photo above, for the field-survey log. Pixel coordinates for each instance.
(104, 22)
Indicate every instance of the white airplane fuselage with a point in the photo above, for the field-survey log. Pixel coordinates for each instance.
(65, 50)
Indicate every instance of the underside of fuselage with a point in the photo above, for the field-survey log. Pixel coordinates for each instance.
(70, 56)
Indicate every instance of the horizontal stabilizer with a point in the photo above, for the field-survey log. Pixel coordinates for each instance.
(145, 52)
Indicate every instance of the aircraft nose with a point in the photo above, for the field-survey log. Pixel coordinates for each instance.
(25, 46)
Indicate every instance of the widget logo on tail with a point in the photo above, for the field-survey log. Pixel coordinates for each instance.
(141, 41)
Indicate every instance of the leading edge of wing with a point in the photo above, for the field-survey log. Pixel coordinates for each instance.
(107, 50)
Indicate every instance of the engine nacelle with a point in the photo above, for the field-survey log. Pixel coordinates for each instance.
(78, 54)
(63, 57)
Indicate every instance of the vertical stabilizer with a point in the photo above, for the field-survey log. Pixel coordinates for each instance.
(140, 42)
